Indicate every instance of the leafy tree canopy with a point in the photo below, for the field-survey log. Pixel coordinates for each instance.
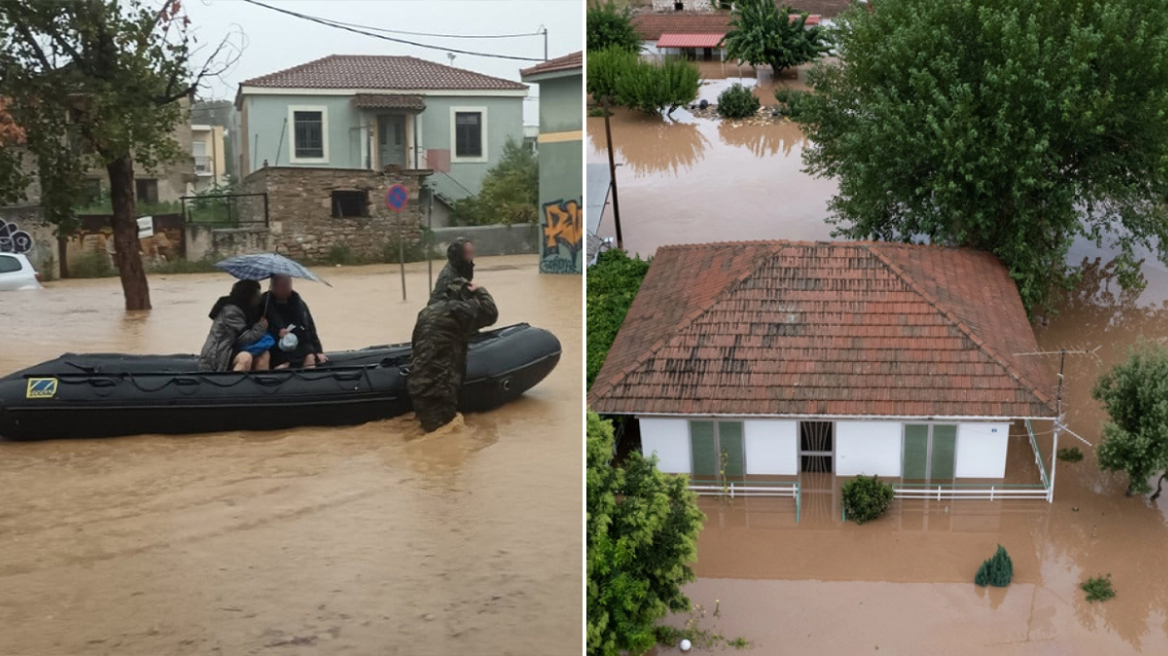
(610, 26)
(650, 87)
(1014, 127)
(509, 193)
(762, 33)
(642, 534)
(612, 285)
(1135, 395)
(98, 83)
(605, 69)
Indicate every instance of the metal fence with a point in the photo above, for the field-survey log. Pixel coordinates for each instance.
(226, 210)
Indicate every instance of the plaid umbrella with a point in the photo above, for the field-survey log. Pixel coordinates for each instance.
(266, 265)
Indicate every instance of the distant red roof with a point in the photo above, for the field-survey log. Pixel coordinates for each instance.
(812, 19)
(690, 40)
(831, 329)
(381, 72)
(652, 26)
(566, 63)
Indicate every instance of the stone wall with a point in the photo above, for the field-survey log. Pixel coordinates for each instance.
(301, 209)
(687, 5)
(208, 243)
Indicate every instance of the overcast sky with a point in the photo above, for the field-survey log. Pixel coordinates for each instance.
(274, 41)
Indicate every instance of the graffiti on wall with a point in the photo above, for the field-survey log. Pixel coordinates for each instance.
(563, 237)
(13, 239)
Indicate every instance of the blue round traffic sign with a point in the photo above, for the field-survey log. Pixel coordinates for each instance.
(397, 197)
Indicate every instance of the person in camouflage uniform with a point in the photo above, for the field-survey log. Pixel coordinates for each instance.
(441, 338)
(459, 264)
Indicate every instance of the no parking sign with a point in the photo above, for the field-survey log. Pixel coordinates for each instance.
(397, 197)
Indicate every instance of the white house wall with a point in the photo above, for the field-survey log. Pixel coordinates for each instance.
(668, 439)
(772, 447)
(868, 447)
(981, 450)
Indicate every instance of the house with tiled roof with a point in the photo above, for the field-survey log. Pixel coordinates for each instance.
(765, 361)
(561, 157)
(369, 112)
(695, 35)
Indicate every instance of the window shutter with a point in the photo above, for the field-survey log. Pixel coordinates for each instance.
(731, 443)
(705, 460)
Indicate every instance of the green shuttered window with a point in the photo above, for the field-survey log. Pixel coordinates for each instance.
(709, 441)
(930, 451)
(705, 455)
(730, 441)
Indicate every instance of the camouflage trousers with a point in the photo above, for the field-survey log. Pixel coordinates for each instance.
(435, 411)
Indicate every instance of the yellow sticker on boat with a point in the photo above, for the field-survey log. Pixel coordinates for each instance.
(41, 388)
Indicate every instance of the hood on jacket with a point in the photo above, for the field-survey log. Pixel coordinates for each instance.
(454, 254)
(241, 292)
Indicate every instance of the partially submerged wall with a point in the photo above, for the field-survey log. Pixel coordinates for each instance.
(517, 239)
(308, 224)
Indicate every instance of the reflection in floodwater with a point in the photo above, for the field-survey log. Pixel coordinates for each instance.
(363, 539)
(763, 140)
(664, 146)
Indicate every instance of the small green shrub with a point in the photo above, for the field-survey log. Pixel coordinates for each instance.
(595, 112)
(95, 264)
(1098, 588)
(997, 571)
(341, 254)
(866, 498)
(737, 102)
(1072, 454)
(789, 102)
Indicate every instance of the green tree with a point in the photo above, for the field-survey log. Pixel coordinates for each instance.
(509, 193)
(651, 88)
(762, 33)
(1013, 127)
(99, 83)
(605, 69)
(1135, 439)
(610, 26)
(642, 529)
(612, 285)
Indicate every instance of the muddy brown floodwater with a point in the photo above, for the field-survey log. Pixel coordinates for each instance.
(903, 584)
(364, 540)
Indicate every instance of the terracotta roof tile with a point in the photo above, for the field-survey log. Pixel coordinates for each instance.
(840, 328)
(565, 63)
(381, 72)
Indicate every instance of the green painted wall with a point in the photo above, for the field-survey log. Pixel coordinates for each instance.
(266, 116)
(560, 103)
(561, 175)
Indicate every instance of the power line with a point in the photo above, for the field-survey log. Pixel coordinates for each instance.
(339, 26)
(440, 36)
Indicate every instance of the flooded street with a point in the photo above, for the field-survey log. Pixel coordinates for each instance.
(903, 584)
(372, 539)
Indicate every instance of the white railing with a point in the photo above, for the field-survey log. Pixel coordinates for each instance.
(784, 489)
(973, 491)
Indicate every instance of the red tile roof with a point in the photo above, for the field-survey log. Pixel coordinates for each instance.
(690, 40)
(565, 63)
(381, 72)
(832, 329)
(652, 26)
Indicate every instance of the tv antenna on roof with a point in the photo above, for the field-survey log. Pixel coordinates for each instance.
(450, 56)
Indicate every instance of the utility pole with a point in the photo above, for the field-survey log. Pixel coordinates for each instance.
(620, 242)
(545, 43)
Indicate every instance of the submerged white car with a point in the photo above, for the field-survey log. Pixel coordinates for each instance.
(16, 272)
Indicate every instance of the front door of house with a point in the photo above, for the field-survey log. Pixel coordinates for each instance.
(930, 451)
(816, 447)
(391, 139)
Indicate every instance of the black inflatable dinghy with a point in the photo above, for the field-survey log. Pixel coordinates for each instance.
(107, 395)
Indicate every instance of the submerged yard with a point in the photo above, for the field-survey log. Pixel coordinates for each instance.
(904, 583)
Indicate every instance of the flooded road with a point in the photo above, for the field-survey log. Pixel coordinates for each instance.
(366, 540)
(904, 584)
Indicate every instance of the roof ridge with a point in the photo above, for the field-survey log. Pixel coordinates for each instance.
(288, 70)
(685, 322)
(958, 323)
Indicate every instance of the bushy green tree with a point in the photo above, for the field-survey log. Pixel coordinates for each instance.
(1014, 127)
(509, 193)
(605, 69)
(1135, 439)
(611, 26)
(866, 498)
(651, 87)
(642, 529)
(997, 570)
(612, 285)
(762, 33)
(99, 82)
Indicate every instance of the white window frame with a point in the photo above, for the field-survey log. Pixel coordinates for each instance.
(454, 158)
(292, 109)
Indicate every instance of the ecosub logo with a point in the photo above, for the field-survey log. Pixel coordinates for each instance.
(41, 388)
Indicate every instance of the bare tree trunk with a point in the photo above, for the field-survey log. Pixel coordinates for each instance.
(128, 257)
(1159, 484)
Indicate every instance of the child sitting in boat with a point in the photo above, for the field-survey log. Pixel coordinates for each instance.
(237, 325)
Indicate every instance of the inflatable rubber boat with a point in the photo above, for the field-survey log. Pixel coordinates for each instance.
(104, 395)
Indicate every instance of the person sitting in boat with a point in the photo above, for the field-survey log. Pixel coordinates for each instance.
(237, 325)
(291, 325)
(459, 264)
(440, 341)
